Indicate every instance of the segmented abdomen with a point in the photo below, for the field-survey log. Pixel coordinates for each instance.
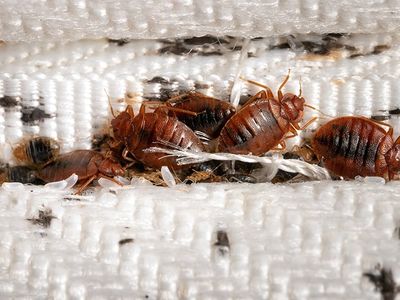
(163, 131)
(352, 146)
(77, 162)
(256, 128)
(212, 114)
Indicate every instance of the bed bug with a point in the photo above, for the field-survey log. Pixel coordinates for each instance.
(351, 146)
(263, 122)
(22, 174)
(87, 164)
(37, 151)
(154, 129)
(211, 113)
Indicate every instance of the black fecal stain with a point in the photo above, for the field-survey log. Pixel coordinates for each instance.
(382, 279)
(119, 42)
(44, 218)
(69, 198)
(125, 241)
(9, 101)
(380, 118)
(395, 111)
(204, 46)
(158, 79)
(178, 49)
(201, 86)
(33, 114)
(335, 36)
(251, 54)
(283, 176)
(222, 242)
(379, 49)
(324, 46)
(257, 38)
(205, 39)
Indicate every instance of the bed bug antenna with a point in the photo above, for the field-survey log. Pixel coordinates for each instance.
(300, 88)
(110, 105)
(316, 109)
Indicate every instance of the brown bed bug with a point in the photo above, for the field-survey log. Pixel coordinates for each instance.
(351, 146)
(211, 113)
(36, 151)
(87, 164)
(153, 129)
(263, 122)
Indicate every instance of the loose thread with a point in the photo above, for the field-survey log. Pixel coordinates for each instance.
(289, 165)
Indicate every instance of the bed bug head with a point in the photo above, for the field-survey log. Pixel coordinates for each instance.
(122, 123)
(392, 158)
(293, 106)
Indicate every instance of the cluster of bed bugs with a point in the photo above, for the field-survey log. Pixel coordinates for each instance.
(347, 146)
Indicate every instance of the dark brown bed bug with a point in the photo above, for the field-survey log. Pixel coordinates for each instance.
(37, 151)
(263, 122)
(22, 174)
(211, 113)
(87, 164)
(351, 146)
(155, 129)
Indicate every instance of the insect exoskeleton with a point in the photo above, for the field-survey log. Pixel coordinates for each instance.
(351, 146)
(211, 113)
(36, 151)
(87, 164)
(154, 129)
(263, 123)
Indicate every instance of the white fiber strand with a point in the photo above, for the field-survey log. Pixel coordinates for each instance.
(289, 165)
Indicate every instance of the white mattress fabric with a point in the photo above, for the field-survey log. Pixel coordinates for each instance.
(311, 240)
(32, 20)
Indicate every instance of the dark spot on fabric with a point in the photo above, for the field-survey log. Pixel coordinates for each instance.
(119, 42)
(199, 85)
(382, 279)
(379, 49)
(395, 111)
(222, 242)
(158, 79)
(205, 39)
(380, 118)
(9, 101)
(44, 218)
(31, 115)
(125, 241)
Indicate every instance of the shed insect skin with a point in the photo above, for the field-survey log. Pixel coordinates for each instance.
(357, 146)
(263, 122)
(87, 164)
(212, 113)
(37, 151)
(154, 129)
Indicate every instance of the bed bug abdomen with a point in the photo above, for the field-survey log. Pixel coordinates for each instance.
(351, 146)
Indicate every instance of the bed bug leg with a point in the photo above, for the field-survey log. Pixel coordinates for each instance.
(84, 185)
(280, 94)
(280, 147)
(268, 89)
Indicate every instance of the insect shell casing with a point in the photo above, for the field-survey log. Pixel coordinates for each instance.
(351, 146)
